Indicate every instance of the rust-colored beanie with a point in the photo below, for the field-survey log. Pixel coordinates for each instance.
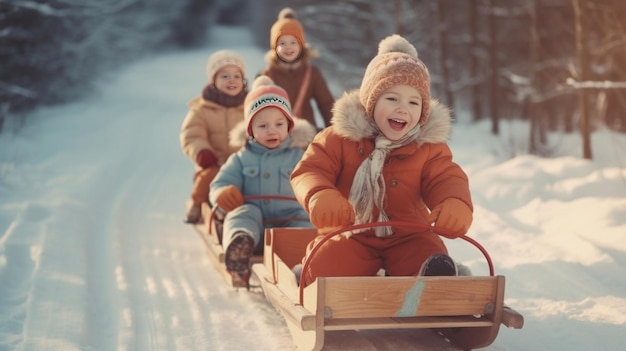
(287, 23)
(265, 94)
(221, 59)
(395, 64)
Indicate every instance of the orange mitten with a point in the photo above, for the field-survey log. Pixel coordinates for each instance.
(328, 208)
(453, 215)
(229, 199)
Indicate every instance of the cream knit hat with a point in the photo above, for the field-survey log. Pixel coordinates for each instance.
(221, 59)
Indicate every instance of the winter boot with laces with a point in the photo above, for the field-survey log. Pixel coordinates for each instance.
(438, 265)
(194, 214)
(237, 257)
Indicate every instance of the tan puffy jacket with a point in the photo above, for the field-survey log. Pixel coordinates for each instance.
(207, 126)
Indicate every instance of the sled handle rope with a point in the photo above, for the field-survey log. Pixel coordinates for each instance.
(417, 226)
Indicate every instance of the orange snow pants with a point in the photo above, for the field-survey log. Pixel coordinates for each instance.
(364, 254)
(201, 184)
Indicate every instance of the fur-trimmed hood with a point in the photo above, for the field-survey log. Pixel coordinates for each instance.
(301, 135)
(351, 121)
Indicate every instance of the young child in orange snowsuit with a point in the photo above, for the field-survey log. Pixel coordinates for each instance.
(204, 133)
(385, 158)
(289, 66)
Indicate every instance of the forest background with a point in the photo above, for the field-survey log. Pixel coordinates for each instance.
(559, 64)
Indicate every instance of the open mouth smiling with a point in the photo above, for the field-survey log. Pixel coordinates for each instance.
(396, 124)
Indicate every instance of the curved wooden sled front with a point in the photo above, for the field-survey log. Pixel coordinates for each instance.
(467, 311)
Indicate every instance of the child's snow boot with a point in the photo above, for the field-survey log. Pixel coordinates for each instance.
(438, 265)
(194, 214)
(237, 257)
(241, 280)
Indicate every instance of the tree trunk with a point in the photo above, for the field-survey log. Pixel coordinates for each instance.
(365, 8)
(476, 110)
(399, 4)
(537, 128)
(443, 54)
(583, 75)
(493, 61)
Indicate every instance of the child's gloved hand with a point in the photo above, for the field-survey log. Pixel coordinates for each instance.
(328, 208)
(206, 159)
(453, 215)
(229, 199)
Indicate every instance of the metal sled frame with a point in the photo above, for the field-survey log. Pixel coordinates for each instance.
(467, 311)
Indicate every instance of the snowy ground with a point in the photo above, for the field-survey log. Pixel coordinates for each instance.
(94, 254)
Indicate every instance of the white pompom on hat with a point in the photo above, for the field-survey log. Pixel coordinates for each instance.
(263, 94)
(221, 59)
(396, 63)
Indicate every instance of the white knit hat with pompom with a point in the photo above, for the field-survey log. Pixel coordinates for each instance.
(221, 59)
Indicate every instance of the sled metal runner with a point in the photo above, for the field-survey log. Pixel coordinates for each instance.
(466, 310)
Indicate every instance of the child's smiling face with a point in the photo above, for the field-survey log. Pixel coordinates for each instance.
(288, 47)
(229, 80)
(397, 111)
(270, 127)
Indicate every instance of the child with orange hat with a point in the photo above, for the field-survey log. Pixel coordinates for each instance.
(271, 141)
(385, 158)
(204, 133)
(289, 66)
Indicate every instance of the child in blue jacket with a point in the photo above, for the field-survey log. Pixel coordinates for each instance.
(273, 141)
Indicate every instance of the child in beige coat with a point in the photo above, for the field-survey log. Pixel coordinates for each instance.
(204, 133)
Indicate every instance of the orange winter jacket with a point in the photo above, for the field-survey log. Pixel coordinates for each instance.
(417, 176)
(206, 126)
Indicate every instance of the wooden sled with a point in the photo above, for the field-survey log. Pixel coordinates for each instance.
(466, 311)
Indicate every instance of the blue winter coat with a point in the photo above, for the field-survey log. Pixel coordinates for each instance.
(257, 170)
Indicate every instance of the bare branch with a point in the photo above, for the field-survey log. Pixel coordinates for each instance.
(605, 84)
(97, 9)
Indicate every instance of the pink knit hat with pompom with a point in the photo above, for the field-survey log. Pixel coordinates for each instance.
(395, 64)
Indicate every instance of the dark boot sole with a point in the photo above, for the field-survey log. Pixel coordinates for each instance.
(438, 265)
(238, 253)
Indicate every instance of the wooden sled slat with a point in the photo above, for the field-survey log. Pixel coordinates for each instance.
(354, 297)
(289, 244)
(291, 311)
(406, 323)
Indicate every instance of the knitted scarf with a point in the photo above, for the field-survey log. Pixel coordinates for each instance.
(211, 93)
(368, 188)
